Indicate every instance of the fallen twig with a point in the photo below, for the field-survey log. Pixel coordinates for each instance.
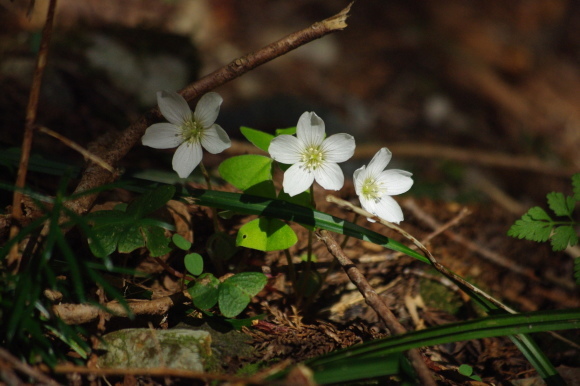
(84, 313)
(438, 266)
(376, 303)
(29, 124)
(26, 369)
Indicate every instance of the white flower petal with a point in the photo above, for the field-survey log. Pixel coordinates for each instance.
(358, 178)
(285, 149)
(395, 181)
(379, 162)
(208, 108)
(186, 158)
(329, 176)
(310, 129)
(368, 205)
(173, 107)
(215, 139)
(338, 147)
(388, 209)
(162, 136)
(297, 180)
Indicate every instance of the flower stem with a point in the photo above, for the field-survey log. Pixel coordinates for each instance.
(216, 226)
(291, 268)
(308, 267)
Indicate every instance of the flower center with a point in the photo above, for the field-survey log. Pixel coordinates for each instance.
(192, 131)
(371, 189)
(312, 157)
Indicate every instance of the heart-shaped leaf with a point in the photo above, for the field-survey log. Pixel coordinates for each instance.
(236, 292)
(266, 234)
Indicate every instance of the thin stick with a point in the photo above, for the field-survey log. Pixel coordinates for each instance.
(26, 369)
(376, 303)
(438, 266)
(31, 112)
(491, 256)
(75, 146)
(94, 176)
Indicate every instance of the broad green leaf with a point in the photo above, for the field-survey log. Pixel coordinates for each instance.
(535, 225)
(156, 241)
(180, 242)
(131, 239)
(561, 205)
(150, 201)
(245, 171)
(287, 131)
(576, 186)
(204, 292)
(104, 240)
(266, 234)
(562, 237)
(193, 263)
(258, 138)
(236, 292)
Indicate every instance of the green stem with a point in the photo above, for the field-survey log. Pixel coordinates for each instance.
(217, 261)
(216, 226)
(291, 269)
(308, 267)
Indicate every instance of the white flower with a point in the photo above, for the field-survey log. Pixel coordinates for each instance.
(188, 131)
(375, 186)
(312, 157)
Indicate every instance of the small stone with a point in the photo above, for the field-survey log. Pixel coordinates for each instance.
(144, 348)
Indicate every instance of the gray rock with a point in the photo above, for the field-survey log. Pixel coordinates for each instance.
(143, 348)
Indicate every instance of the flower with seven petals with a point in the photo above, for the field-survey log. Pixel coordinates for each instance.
(186, 131)
(311, 155)
(375, 186)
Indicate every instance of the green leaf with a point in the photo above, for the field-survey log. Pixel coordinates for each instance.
(156, 241)
(180, 242)
(576, 186)
(465, 370)
(577, 270)
(150, 201)
(104, 240)
(266, 234)
(560, 205)
(129, 230)
(287, 131)
(204, 292)
(236, 292)
(193, 263)
(258, 138)
(535, 225)
(131, 239)
(562, 237)
(245, 171)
